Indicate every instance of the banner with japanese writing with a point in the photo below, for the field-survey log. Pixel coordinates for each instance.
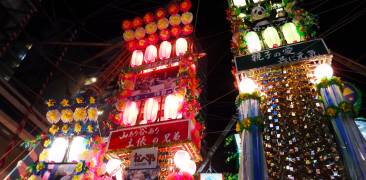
(144, 158)
(166, 132)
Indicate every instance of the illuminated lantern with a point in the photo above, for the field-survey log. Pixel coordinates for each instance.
(174, 20)
(323, 71)
(181, 46)
(113, 165)
(163, 23)
(290, 33)
(77, 148)
(130, 113)
(140, 33)
(131, 45)
(150, 110)
(58, 150)
(164, 34)
(175, 31)
(128, 35)
(271, 37)
(137, 57)
(239, 3)
(165, 50)
(173, 8)
(253, 42)
(126, 25)
(160, 13)
(151, 28)
(180, 158)
(172, 106)
(148, 18)
(153, 39)
(141, 44)
(189, 167)
(187, 18)
(136, 22)
(187, 29)
(185, 5)
(150, 54)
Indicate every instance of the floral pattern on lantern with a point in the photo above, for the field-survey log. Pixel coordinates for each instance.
(66, 115)
(271, 37)
(140, 33)
(165, 50)
(150, 54)
(93, 113)
(137, 57)
(130, 114)
(181, 46)
(172, 106)
(151, 109)
(80, 114)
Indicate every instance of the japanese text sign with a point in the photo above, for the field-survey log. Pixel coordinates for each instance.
(144, 158)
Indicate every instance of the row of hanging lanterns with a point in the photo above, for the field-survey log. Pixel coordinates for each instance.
(172, 106)
(151, 53)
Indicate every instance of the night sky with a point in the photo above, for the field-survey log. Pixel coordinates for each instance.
(99, 21)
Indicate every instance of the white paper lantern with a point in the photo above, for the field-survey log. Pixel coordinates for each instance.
(151, 109)
(180, 158)
(181, 46)
(58, 150)
(247, 85)
(150, 54)
(165, 50)
(113, 165)
(271, 37)
(77, 148)
(290, 33)
(137, 57)
(189, 167)
(239, 3)
(253, 42)
(173, 103)
(130, 113)
(323, 71)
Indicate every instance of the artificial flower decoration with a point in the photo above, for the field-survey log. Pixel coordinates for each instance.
(187, 18)
(148, 18)
(93, 113)
(76, 178)
(90, 128)
(65, 128)
(131, 45)
(164, 34)
(246, 123)
(129, 35)
(175, 31)
(174, 20)
(331, 111)
(126, 25)
(40, 166)
(79, 100)
(66, 115)
(79, 167)
(153, 39)
(46, 143)
(80, 114)
(141, 44)
(187, 29)
(151, 28)
(92, 100)
(53, 129)
(140, 33)
(51, 103)
(173, 8)
(160, 13)
(163, 23)
(136, 22)
(77, 128)
(185, 5)
(53, 116)
(43, 155)
(120, 105)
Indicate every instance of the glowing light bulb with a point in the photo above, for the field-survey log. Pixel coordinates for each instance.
(323, 71)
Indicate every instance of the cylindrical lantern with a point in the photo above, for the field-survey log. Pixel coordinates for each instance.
(271, 37)
(137, 57)
(172, 106)
(290, 33)
(239, 3)
(253, 42)
(180, 158)
(130, 113)
(189, 167)
(151, 109)
(150, 54)
(165, 49)
(181, 46)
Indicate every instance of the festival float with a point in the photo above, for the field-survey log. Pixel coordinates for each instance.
(294, 121)
(157, 108)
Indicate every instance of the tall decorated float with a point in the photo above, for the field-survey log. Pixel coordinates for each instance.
(294, 121)
(157, 107)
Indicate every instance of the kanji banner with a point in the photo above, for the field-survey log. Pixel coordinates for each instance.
(151, 134)
(144, 158)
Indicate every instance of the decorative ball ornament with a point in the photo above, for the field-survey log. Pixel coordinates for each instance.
(174, 20)
(152, 39)
(175, 31)
(66, 115)
(141, 44)
(187, 18)
(131, 45)
(323, 71)
(187, 29)
(185, 5)
(151, 28)
(160, 13)
(180, 158)
(247, 85)
(126, 25)
(93, 114)
(140, 33)
(164, 34)
(53, 116)
(137, 22)
(163, 23)
(173, 8)
(113, 165)
(128, 35)
(148, 18)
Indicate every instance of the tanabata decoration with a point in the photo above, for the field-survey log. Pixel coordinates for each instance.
(66, 112)
(53, 114)
(126, 25)
(151, 28)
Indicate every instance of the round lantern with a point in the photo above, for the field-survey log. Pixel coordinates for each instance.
(141, 44)
(140, 33)
(271, 37)
(181, 46)
(175, 31)
(131, 45)
(247, 86)
(136, 22)
(323, 71)
(173, 8)
(187, 18)
(185, 5)
(189, 167)
(187, 29)
(152, 39)
(130, 113)
(151, 28)
(137, 57)
(164, 34)
(128, 35)
(165, 50)
(174, 20)
(173, 103)
(163, 23)
(253, 42)
(151, 109)
(160, 13)
(180, 158)
(126, 25)
(150, 54)
(148, 18)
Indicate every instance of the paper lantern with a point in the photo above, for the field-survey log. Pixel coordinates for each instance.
(126, 25)
(163, 23)
(181, 46)
(140, 33)
(185, 5)
(290, 33)
(187, 29)
(253, 42)
(131, 45)
(165, 50)
(189, 167)
(152, 39)
(53, 116)
(187, 18)
(113, 165)
(150, 54)
(239, 3)
(247, 86)
(151, 28)
(160, 13)
(130, 113)
(271, 37)
(172, 106)
(323, 71)
(141, 44)
(148, 18)
(164, 34)
(175, 31)
(128, 35)
(173, 8)
(58, 150)
(137, 22)
(174, 20)
(151, 109)
(137, 57)
(77, 148)
(180, 158)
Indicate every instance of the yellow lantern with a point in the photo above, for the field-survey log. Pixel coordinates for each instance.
(271, 37)
(290, 33)
(165, 50)
(253, 42)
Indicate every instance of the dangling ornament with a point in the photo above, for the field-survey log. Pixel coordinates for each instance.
(164, 34)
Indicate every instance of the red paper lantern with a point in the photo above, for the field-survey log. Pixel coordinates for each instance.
(137, 22)
(160, 13)
(173, 8)
(148, 18)
(164, 34)
(131, 45)
(187, 29)
(141, 44)
(185, 5)
(152, 38)
(126, 24)
(175, 31)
